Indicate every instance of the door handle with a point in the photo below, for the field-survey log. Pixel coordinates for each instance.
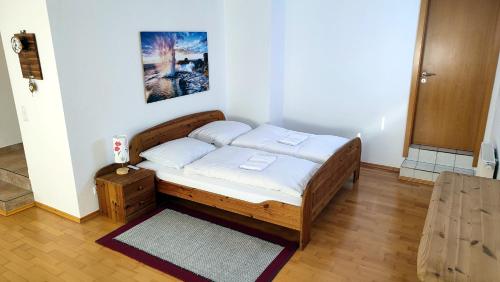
(424, 75)
(427, 74)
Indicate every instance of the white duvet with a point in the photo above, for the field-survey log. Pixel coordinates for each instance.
(316, 148)
(286, 174)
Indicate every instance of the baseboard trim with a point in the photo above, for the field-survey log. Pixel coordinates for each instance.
(90, 216)
(57, 212)
(416, 180)
(66, 215)
(380, 167)
(19, 209)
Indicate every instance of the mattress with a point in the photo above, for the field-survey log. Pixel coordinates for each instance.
(222, 187)
(316, 148)
(285, 174)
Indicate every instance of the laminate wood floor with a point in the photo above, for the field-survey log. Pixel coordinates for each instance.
(367, 233)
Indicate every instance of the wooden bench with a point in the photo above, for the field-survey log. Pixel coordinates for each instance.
(461, 236)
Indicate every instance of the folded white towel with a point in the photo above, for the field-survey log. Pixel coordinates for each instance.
(293, 139)
(258, 162)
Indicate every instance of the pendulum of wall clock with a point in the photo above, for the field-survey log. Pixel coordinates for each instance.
(31, 82)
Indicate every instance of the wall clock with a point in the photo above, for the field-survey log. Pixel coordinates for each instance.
(16, 43)
(24, 44)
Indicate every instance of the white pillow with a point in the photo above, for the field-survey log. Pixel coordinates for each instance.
(221, 132)
(178, 153)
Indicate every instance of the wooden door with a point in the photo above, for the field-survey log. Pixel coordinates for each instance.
(459, 46)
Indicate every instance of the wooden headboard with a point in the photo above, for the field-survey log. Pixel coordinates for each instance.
(170, 130)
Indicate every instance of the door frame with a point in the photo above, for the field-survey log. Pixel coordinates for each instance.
(415, 81)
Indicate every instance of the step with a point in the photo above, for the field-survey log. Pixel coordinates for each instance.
(12, 158)
(424, 163)
(15, 179)
(13, 167)
(14, 198)
(441, 156)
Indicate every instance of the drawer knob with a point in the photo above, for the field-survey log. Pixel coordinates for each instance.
(141, 188)
(141, 203)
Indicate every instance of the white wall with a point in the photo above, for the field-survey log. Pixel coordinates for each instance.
(348, 70)
(492, 132)
(44, 131)
(98, 55)
(277, 62)
(248, 55)
(255, 34)
(347, 67)
(495, 136)
(9, 126)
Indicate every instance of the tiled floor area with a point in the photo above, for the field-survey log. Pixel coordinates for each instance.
(426, 163)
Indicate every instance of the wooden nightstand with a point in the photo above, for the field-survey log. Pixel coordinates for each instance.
(125, 197)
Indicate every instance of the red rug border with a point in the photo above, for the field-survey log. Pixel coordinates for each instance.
(167, 267)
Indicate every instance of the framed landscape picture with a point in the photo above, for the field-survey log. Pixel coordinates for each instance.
(175, 64)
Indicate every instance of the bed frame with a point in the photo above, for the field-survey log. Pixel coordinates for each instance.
(319, 191)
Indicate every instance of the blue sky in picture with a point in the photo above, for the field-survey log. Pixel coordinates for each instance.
(189, 45)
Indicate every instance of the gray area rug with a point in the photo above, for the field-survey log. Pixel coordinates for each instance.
(207, 249)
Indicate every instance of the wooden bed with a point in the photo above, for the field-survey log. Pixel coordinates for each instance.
(319, 191)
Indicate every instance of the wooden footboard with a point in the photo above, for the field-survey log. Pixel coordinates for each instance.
(326, 182)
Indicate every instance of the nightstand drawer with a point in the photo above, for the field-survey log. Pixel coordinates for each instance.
(143, 186)
(147, 208)
(140, 201)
